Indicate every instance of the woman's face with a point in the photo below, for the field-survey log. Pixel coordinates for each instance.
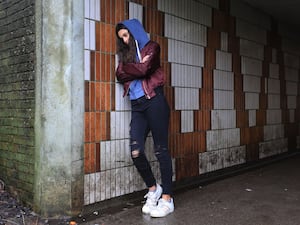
(124, 35)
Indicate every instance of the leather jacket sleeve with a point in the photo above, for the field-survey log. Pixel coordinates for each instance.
(131, 71)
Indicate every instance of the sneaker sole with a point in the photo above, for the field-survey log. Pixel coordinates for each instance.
(160, 216)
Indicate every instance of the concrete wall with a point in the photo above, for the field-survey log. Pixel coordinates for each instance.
(59, 108)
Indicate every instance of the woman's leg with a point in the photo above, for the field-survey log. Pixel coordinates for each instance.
(138, 132)
(158, 114)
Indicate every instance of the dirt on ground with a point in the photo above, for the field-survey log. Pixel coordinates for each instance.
(13, 212)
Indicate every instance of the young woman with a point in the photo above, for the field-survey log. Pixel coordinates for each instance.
(140, 72)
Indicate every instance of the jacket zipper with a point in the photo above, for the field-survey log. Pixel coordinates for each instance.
(126, 91)
(145, 90)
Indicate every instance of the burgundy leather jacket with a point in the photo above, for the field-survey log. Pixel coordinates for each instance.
(150, 71)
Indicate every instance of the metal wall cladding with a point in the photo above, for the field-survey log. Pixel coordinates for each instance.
(231, 84)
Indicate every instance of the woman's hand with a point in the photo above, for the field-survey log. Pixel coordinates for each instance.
(146, 58)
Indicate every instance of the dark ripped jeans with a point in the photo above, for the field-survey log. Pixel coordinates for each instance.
(151, 115)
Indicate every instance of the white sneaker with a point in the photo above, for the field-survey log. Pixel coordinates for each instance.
(152, 199)
(163, 208)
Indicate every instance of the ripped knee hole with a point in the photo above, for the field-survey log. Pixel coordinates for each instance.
(135, 153)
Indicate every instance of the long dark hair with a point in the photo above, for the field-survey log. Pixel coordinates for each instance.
(126, 53)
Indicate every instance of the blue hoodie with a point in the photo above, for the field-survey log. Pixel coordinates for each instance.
(139, 34)
(137, 31)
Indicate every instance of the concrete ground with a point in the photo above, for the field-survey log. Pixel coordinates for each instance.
(267, 195)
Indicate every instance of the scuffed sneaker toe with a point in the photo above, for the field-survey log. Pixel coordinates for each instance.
(163, 208)
(152, 199)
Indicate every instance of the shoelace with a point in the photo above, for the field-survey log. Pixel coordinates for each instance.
(150, 198)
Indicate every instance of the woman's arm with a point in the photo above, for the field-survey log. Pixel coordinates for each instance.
(149, 63)
(122, 76)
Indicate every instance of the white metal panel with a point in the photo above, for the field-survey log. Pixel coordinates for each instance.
(211, 161)
(122, 153)
(251, 83)
(218, 139)
(273, 147)
(177, 9)
(189, 9)
(92, 38)
(251, 66)
(115, 154)
(223, 99)
(98, 187)
(136, 11)
(161, 5)
(187, 121)
(219, 159)
(274, 116)
(223, 80)
(274, 101)
(186, 98)
(119, 124)
(222, 158)
(86, 189)
(86, 34)
(251, 32)
(107, 159)
(223, 119)
(291, 74)
(119, 173)
(251, 100)
(289, 41)
(92, 180)
(235, 156)
(292, 116)
(121, 103)
(252, 118)
(87, 8)
(200, 13)
(273, 132)
(185, 53)
(185, 30)
(223, 61)
(106, 182)
(291, 102)
(87, 65)
(125, 180)
(97, 10)
(92, 9)
(273, 70)
(251, 49)
(273, 86)
(244, 11)
(291, 88)
(186, 76)
(212, 3)
(224, 41)
(292, 60)
(266, 85)
(112, 185)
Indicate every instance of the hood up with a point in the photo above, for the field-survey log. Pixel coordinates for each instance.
(137, 31)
